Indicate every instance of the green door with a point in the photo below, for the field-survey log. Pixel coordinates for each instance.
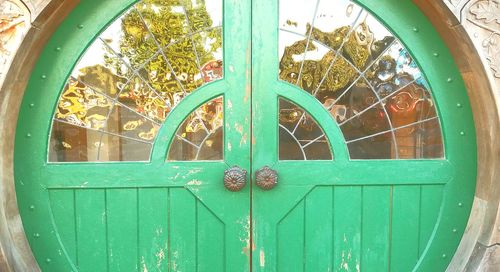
(226, 135)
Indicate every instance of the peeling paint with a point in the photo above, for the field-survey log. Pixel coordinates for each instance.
(239, 128)
(229, 104)
(243, 140)
(194, 182)
(231, 68)
(160, 257)
(229, 146)
(245, 238)
(262, 258)
(143, 264)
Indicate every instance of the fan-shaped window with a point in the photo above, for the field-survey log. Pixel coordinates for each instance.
(200, 137)
(363, 75)
(130, 78)
(300, 136)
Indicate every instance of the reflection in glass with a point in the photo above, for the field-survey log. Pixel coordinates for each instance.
(77, 144)
(361, 74)
(300, 137)
(82, 106)
(200, 137)
(131, 77)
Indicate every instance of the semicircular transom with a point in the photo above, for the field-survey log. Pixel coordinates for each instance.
(364, 76)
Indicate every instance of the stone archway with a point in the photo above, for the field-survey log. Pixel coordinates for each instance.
(469, 32)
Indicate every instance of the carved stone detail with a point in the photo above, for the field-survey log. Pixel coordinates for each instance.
(485, 14)
(235, 178)
(14, 22)
(266, 178)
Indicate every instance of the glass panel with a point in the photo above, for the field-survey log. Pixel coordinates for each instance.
(371, 85)
(300, 136)
(185, 64)
(200, 136)
(83, 106)
(70, 143)
(99, 70)
(114, 148)
(128, 37)
(209, 49)
(133, 74)
(377, 147)
(143, 99)
(421, 140)
(73, 143)
(125, 122)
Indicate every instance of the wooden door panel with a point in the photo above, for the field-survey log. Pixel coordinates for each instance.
(139, 229)
(351, 228)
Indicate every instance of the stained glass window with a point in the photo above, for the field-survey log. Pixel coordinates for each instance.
(363, 75)
(200, 137)
(301, 138)
(129, 79)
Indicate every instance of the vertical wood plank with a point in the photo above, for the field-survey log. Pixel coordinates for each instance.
(211, 242)
(290, 251)
(121, 210)
(375, 231)
(431, 197)
(63, 211)
(405, 227)
(91, 229)
(183, 224)
(347, 228)
(319, 230)
(153, 228)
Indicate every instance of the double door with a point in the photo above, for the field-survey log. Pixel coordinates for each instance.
(309, 161)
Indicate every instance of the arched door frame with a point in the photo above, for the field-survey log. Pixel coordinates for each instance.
(12, 240)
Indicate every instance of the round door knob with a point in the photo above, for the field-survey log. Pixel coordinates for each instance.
(235, 178)
(266, 178)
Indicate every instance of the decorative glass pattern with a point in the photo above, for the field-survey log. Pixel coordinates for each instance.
(363, 75)
(200, 137)
(130, 78)
(300, 137)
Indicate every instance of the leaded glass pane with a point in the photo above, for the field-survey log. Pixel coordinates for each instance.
(362, 74)
(200, 136)
(300, 137)
(131, 77)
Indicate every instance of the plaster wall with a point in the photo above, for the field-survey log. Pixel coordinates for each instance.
(470, 27)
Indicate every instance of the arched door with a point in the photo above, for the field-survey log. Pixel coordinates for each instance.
(347, 119)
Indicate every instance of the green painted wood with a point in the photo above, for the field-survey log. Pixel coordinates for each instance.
(122, 230)
(91, 229)
(153, 228)
(318, 230)
(375, 228)
(63, 210)
(347, 228)
(430, 198)
(210, 234)
(405, 227)
(291, 242)
(183, 225)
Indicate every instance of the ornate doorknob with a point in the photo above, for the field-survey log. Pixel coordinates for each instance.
(266, 178)
(235, 178)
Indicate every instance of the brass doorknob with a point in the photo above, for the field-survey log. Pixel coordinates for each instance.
(266, 178)
(235, 178)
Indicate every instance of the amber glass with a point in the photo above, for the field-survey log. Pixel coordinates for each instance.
(200, 137)
(132, 75)
(300, 137)
(363, 75)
